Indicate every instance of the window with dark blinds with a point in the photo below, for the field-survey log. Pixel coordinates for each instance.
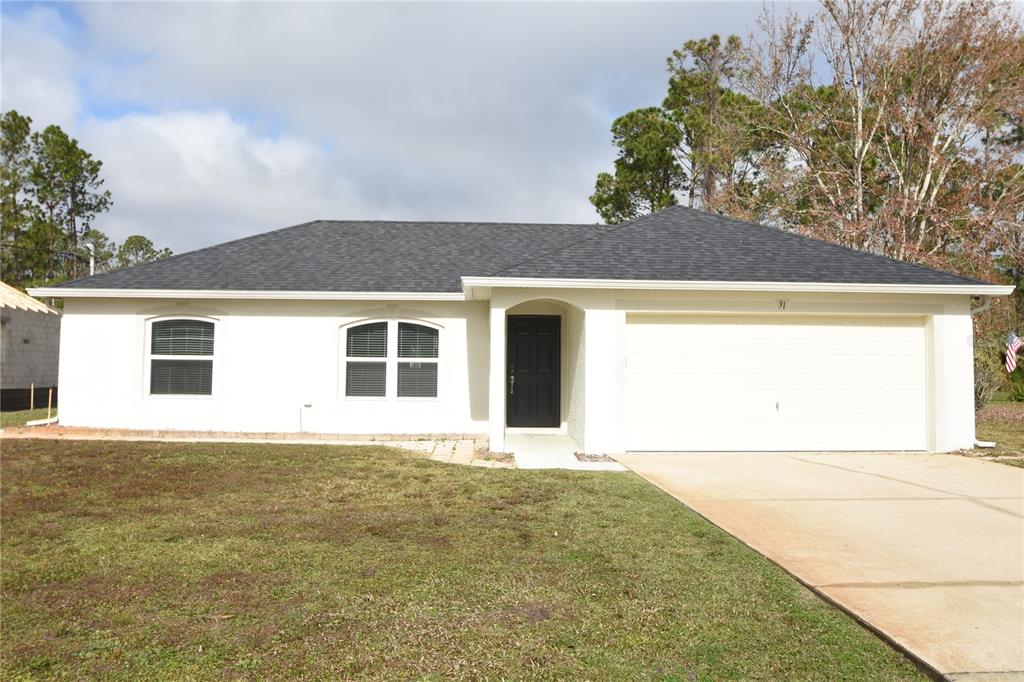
(365, 379)
(368, 341)
(391, 359)
(416, 341)
(181, 377)
(181, 357)
(417, 379)
(182, 337)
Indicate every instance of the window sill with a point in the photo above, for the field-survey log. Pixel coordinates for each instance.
(397, 399)
(180, 396)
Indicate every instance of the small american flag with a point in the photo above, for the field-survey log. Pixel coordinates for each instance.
(1013, 344)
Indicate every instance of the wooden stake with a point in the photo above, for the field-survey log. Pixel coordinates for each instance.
(49, 401)
(31, 396)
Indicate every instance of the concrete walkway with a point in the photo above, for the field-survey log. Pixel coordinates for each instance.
(927, 549)
(551, 451)
(440, 448)
(525, 450)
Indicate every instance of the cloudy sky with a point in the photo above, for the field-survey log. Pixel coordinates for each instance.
(216, 121)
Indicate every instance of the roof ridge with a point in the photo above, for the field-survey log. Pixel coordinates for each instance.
(328, 221)
(602, 233)
(493, 223)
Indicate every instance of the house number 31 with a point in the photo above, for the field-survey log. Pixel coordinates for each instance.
(781, 303)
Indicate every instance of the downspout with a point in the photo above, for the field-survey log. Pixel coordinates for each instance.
(986, 303)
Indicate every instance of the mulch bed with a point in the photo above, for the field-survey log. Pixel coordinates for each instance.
(584, 457)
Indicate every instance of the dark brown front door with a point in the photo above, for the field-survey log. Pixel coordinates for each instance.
(534, 370)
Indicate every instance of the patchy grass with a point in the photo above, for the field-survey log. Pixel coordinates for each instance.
(20, 417)
(159, 560)
(1004, 424)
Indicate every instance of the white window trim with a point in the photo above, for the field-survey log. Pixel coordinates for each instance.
(149, 357)
(390, 361)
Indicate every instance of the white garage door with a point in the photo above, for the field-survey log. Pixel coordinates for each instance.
(766, 383)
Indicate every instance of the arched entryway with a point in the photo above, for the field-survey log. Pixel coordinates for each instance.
(543, 367)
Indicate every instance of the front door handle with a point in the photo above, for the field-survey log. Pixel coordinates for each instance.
(512, 385)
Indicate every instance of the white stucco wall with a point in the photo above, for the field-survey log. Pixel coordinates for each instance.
(576, 376)
(948, 351)
(951, 377)
(271, 359)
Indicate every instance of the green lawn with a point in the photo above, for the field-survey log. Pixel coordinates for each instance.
(157, 561)
(19, 418)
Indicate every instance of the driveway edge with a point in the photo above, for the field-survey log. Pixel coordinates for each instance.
(921, 664)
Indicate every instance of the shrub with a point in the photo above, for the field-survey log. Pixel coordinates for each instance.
(989, 373)
(1016, 394)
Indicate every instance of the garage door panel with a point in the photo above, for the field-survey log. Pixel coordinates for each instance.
(731, 383)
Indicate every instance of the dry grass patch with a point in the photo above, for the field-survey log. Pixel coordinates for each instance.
(160, 560)
(1004, 424)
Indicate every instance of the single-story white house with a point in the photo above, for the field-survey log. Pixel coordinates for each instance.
(678, 331)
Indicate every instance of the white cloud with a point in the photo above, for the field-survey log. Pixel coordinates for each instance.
(216, 120)
(202, 177)
(38, 67)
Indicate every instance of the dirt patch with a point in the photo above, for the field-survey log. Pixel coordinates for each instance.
(435, 541)
(1014, 460)
(229, 579)
(66, 597)
(528, 613)
(1012, 412)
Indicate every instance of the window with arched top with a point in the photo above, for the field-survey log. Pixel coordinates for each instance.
(181, 356)
(391, 358)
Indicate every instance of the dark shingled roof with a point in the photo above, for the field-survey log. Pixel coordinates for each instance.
(334, 255)
(674, 244)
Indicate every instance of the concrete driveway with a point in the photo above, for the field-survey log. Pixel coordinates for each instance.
(928, 549)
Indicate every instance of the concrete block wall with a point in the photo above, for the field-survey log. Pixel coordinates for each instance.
(29, 348)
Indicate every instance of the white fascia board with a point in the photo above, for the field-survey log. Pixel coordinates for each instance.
(486, 283)
(480, 288)
(71, 292)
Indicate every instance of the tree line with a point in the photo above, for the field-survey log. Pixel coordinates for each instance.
(51, 192)
(891, 126)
